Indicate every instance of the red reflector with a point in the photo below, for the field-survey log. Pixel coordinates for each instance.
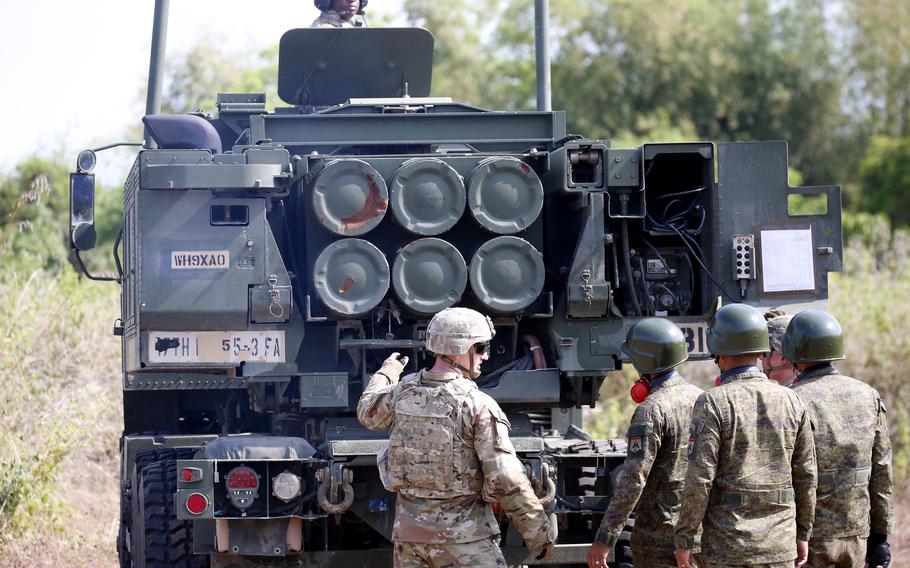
(242, 478)
(186, 474)
(196, 503)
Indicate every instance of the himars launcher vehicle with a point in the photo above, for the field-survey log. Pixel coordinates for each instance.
(271, 261)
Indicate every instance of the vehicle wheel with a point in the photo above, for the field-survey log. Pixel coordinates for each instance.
(159, 539)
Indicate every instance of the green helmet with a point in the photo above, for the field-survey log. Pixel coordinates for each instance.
(738, 329)
(813, 336)
(655, 345)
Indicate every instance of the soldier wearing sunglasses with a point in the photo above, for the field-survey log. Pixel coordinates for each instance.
(449, 455)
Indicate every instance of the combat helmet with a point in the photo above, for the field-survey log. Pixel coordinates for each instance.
(454, 330)
(655, 345)
(813, 335)
(738, 329)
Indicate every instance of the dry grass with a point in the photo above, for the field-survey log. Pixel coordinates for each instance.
(60, 420)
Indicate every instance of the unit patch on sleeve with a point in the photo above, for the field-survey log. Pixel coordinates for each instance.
(638, 434)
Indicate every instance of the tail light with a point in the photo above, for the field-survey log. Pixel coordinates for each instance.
(196, 503)
(286, 486)
(242, 486)
(188, 474)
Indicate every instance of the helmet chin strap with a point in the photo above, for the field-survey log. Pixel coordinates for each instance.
(465, 371)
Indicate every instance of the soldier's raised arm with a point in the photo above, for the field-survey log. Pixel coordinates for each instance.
(805, 476)
(704, 445)
(374, 409)
(504, 479)
(644, 437)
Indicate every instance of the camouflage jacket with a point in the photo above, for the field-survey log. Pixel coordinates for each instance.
(751, 479)
(853, 453)
(332, 19)
(652, 478)
(482, 449)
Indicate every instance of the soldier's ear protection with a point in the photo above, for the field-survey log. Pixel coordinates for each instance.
(324, 5)
(640, 390)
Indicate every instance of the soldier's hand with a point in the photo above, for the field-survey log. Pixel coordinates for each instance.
(598, 554)
(547, 551)
(802, 553)
(878, 552)
(683, 558)
(394, 365)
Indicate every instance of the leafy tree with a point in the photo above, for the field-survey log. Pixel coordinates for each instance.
(193, 79)
(886, 178)
(879, 61)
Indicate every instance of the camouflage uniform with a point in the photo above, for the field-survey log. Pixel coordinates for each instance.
(332, 19)
(652, 478)
(854, 465)
(449, 457)
(751, 473)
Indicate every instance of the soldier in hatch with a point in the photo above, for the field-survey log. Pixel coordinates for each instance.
(652, 478)
(750, 482)
(338, 13)
(853, 513)
(449, 453)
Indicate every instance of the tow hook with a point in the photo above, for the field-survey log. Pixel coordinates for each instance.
(326, 479)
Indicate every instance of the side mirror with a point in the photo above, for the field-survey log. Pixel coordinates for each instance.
(82, 211)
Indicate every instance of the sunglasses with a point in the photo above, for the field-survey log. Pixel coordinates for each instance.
(481, 348)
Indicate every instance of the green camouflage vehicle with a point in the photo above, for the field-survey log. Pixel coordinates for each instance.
(272, 260)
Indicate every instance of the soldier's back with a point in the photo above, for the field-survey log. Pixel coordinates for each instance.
(845, 413)
(658, 507)
(751, 512)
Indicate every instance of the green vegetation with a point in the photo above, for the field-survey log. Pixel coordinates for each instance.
(59, 405)
(829, 77)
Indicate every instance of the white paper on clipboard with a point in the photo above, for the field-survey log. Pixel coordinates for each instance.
(787, 261)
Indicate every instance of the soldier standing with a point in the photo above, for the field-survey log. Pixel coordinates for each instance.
(449, 453)
(774, 365)
(338, 13)
(652, 478)
(853, 514)
(751, 476)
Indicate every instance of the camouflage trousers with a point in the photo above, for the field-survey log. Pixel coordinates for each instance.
(482, 553)
(847, 552)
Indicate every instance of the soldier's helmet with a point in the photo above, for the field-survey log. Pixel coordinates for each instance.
(776, 328)
(454, 330)
(813, 335)
(738, 329)
(655, 345)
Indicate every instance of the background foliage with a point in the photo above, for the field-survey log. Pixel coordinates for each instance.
(829, 76)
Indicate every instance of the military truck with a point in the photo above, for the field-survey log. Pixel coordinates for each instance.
(272, 260)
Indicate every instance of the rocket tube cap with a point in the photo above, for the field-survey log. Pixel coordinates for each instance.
(427, 196)
(349, 197)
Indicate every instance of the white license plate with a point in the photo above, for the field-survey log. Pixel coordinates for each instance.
(216, 346)
(696, 338)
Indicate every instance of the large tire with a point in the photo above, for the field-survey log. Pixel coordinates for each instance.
(159, 539)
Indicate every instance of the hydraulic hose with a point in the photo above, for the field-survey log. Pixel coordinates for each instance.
(627, 265)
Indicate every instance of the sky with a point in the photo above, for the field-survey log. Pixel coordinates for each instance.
(74, 71)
